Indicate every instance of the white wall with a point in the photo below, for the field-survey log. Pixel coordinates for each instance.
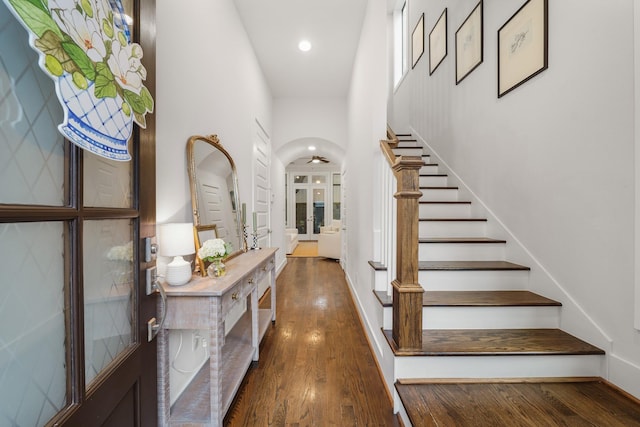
(208, 81)
(367, 126)
(300, 122)
(295, 118)
(554, 159)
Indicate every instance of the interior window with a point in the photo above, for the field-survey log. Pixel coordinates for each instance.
(401, 41)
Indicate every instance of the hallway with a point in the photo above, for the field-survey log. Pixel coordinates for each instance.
(315, 365)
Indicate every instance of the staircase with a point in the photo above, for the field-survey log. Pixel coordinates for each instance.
(479, 319)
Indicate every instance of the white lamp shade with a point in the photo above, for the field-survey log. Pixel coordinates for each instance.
(176, 239)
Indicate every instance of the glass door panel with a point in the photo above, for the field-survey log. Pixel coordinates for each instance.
(32, 168)
(107, 183)
(301, 210)
(108, 292)
(317, 216)
(33, 354)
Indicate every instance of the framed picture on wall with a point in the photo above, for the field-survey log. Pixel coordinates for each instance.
(417, 42)
(523, 44)
(438, 42)
(469, 43)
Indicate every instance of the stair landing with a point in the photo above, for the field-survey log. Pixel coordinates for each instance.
(529, 402)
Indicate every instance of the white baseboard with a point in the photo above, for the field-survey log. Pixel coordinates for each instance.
(625, 375)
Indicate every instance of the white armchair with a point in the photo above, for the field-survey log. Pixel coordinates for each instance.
(291, 235)
(330, 240)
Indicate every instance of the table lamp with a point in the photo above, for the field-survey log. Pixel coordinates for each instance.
(176, 240)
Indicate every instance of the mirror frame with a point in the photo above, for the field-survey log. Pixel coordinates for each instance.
(197, 226)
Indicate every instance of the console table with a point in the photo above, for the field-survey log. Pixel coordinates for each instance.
(203, 304)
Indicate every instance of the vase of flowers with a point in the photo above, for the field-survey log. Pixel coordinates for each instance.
(214, 251)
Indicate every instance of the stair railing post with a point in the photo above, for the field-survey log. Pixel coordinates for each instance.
(407, 292)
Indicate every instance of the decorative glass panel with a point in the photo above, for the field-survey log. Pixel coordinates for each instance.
(107, 183)
(32, 167)
(301, 179)
(108, 292)
(32, 323)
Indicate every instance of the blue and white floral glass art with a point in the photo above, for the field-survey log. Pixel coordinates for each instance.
(85, 47)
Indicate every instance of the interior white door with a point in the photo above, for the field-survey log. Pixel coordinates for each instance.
(261, 226)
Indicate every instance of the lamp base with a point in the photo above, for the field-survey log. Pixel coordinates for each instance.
(178, 272)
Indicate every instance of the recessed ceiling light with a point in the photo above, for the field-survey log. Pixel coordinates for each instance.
(304, 45)
(311, 148)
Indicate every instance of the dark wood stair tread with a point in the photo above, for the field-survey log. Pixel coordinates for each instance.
(444, 202)
(479, 240)
(476, 299)
(439, 188)
(433, 175)
(454, 219)
(518, 402)
(469, 265)
(496, 342)
(459, 266)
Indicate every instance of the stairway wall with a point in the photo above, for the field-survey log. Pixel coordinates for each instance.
(553, 161)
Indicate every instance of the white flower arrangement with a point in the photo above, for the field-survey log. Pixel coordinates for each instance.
(121, 253)
(213, 249)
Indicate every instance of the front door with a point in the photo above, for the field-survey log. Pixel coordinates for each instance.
(73, 300)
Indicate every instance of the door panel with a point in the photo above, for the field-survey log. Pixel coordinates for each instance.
(109, 317)
(262, 187)
(301, 211)
(73, 302)
(32, 323)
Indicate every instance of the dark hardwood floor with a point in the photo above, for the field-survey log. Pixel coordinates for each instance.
(537, 402)
(315, 368)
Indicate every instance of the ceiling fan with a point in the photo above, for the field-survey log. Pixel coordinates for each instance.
(318, 159)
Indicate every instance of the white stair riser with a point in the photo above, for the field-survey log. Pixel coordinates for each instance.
(521, 366)
(381, 280)
(461, 251)
(490, 317)
(409, 143)
(408, 151)
(483, 317)
(444, 210)
(433, 181)
(473, 280)
(428, 169)
(452, 228)
(439, 195)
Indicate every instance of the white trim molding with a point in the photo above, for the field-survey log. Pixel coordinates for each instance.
(636, 53)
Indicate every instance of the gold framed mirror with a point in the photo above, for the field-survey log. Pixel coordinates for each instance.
(215, 201)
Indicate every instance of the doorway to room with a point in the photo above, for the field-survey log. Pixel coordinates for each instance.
(313, 200)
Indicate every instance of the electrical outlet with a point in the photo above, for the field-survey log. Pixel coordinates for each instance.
(196, 341)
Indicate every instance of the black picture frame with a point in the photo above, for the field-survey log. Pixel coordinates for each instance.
(523, 46)
(469, 41)
(417, 42)
(438, 42)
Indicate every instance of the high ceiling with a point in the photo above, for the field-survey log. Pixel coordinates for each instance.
(275, 27)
